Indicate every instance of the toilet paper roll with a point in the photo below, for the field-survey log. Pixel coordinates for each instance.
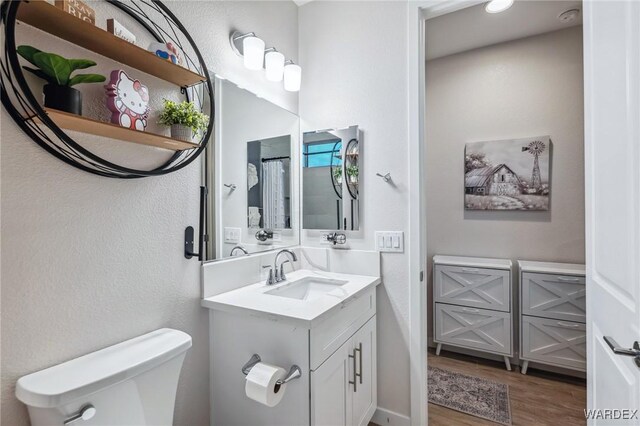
(261, 384)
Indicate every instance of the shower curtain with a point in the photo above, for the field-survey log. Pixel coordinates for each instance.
(273, 195)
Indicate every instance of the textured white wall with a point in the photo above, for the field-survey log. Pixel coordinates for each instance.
(89, 261)
(522, 88)
(354, 57)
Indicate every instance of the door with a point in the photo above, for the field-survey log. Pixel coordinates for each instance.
(363, 351)
(330, 398)
(612, 164)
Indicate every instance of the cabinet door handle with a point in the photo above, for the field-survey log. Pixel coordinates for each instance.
(568, 279)
(354, 383)
(359, 350)
(568, 325)
(471, 270)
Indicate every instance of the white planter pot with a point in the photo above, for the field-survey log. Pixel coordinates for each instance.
(183, 133)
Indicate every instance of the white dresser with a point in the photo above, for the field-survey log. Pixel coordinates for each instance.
(472, 304)
(552, 315)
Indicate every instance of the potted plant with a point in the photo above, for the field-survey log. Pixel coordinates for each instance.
(56, 71)
(337, 175)
(352, 172)
(183, 117)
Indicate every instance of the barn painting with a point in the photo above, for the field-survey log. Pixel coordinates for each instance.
(507, 175)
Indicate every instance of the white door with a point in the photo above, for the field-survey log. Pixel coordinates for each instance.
(612, 172)
(330, 390)
(365, 393)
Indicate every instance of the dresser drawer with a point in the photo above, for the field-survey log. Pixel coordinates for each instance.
(473, 328)
(475, 287)
(553, 296)
(554, 342)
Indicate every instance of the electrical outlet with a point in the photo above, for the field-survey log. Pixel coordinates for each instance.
(232, 235)
(387, 241)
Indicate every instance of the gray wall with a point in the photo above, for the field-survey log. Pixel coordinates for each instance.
(522, 88)
(89, 261)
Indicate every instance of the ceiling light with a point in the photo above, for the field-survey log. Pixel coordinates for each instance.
(497, 6)
(292, 77)
(274, 65)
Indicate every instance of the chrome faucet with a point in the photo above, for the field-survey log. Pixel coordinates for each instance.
(239, 248)
(279, 272)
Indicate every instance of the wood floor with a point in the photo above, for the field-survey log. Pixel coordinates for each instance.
(537, 398)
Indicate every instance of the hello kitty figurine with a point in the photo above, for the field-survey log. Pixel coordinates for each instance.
(128, 101)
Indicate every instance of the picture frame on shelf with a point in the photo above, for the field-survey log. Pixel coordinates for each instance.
(120, 31)
(77, 8)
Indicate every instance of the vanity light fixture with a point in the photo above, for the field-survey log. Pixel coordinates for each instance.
(292, 76)
(274, 65)
(497, 6)
(252, 49)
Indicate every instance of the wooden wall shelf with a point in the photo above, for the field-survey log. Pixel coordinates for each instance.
(90, 126)
(57, 22)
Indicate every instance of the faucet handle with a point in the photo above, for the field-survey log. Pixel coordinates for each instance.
(270, 278)
(281, 276)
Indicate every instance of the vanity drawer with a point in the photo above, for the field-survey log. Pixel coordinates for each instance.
(554, 342)
(476, 287)
(473, 328)
(329, 335)
(554, 296)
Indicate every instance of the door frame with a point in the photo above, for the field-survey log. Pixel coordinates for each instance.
(417, 15)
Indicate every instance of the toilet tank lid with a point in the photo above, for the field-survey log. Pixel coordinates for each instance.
(66, 382)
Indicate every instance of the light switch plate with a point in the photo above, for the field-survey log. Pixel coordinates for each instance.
(390, 241)
(232, 235)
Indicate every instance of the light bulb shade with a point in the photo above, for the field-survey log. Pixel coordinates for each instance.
(497, 6)
(292, 77)
(274, 65)
(253, 51)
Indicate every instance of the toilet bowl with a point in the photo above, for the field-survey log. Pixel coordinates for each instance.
(131, 383)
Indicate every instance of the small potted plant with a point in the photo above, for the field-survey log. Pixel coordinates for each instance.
(183, 117)
(352, 172)
(56, 71)
(337, 175)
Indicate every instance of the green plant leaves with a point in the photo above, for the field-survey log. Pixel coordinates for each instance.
(57, 70)
(80, 64)
(184, 113)
(27, 52)
(86, 78)
(54, 66)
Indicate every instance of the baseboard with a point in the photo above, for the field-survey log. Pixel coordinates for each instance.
(384, 417)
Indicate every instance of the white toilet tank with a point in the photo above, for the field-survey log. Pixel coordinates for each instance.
(131, 383)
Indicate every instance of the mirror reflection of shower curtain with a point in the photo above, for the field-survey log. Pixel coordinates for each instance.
(273, 194)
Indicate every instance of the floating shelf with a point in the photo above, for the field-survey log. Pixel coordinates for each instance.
(55, 21)
(90, 126)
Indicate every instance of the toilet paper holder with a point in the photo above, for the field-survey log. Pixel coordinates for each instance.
(294, 372)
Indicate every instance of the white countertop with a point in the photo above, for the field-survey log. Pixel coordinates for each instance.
(476, 262)
(551, 268)
(251, 298)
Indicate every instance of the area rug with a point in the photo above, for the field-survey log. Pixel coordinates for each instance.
(471, 395)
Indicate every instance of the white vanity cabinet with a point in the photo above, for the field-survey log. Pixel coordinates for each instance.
(336, 354)
(552, 315)
(472, 304)
(343, 388)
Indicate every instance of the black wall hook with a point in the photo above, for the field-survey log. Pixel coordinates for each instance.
(189, 232)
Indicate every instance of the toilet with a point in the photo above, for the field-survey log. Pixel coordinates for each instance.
(131, 383)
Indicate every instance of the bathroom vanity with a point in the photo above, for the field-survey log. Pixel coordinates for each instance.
(323, 322)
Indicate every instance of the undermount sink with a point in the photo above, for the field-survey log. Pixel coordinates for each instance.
(307, 288)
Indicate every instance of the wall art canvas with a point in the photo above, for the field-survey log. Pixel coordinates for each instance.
(128, 101)
(508, 174)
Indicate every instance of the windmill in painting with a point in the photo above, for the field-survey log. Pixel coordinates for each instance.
(500, 175)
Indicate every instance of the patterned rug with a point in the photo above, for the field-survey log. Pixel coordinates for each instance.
(471, 395)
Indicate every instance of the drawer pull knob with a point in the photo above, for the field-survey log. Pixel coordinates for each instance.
(568, 279)
(474, 311)
(472, 270)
